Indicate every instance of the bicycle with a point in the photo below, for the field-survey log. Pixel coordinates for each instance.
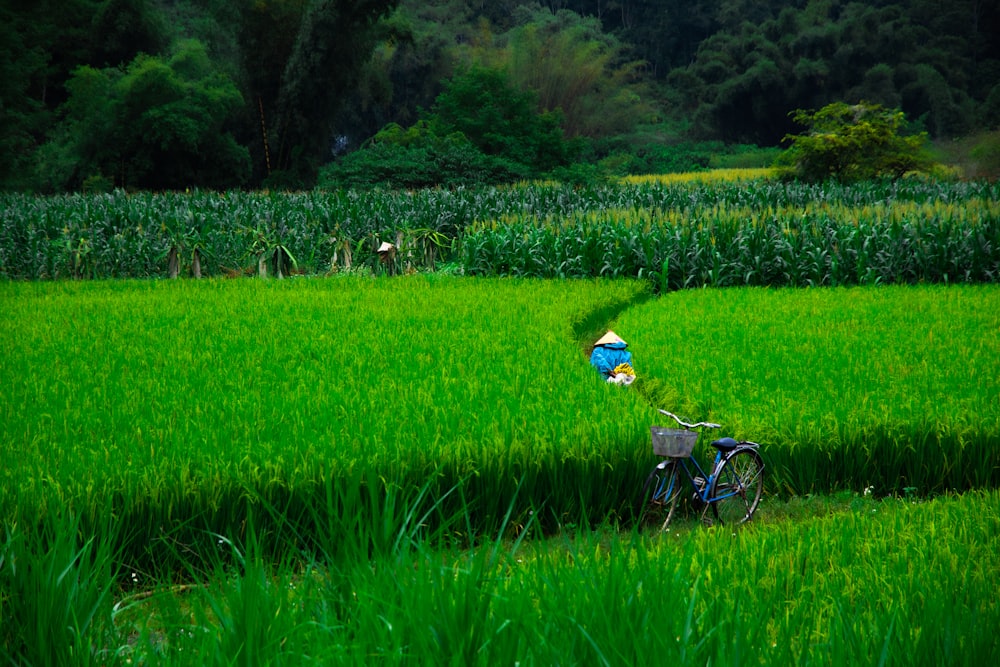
(732, 491)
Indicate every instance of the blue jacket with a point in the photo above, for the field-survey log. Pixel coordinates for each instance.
(606, 357)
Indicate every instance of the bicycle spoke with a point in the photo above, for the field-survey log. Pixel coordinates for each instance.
(738, 487)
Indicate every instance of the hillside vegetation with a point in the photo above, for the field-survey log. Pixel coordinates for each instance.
(172, 94)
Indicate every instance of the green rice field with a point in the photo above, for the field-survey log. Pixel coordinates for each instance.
(408, 459)
(888, 388)
(426, 469)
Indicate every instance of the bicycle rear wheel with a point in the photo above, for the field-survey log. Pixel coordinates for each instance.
(660, 494)
(737, 487)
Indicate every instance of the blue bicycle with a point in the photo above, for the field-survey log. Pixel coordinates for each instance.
(729, 494)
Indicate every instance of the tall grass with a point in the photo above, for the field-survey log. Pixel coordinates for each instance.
(742, 174)
(894, 583)
(57, 588)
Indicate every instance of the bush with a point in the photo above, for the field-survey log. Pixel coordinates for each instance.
(480, 131)
(501, 120)
(425, 162)
(651, 153)
(580, 173)
(745, 156)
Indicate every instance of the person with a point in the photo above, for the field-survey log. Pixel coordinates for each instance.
(387, 257)
(612, 358)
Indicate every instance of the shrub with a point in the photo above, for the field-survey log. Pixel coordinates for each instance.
(501, 120)
(419, 160)
(481, 130)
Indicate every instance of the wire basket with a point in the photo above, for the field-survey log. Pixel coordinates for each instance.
(672, 442)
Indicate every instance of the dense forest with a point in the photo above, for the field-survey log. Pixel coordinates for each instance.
(173, 94)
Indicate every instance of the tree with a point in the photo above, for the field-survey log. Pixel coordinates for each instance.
(334, 41)
(480, 129)
(933, 63)
(43, 41)
(500, 119)
(162, 123)
(854, 142)
(577, 69)
(416, 157)
(20, 111)
(125, 28)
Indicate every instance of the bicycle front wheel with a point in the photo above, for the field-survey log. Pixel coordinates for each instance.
(660, 494)
(737, 487)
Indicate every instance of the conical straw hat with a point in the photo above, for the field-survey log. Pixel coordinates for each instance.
(608, 338)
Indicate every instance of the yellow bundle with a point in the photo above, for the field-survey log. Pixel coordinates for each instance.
(625, 369)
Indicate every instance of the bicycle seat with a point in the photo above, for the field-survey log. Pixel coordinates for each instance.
(726, 444)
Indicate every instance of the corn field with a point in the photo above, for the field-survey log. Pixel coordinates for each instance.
(673, 233)
(724, 245)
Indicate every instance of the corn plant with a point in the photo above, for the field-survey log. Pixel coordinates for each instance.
(722, 246)
(707, 229)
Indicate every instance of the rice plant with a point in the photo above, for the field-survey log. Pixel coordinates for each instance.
(898, 582)
(888, 388)
(352, 468)
(180, 397)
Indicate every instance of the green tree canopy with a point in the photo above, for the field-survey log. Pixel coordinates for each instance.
(159, 124)
(853, 142)
(318, 77)
(500, 119)
(417, 157)
(928, 58)
(480, 126)
(334, 41)
(574, 67)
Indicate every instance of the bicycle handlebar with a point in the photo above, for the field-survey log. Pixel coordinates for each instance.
(686, 425)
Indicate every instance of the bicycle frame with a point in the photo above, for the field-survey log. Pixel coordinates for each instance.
(701, 490)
